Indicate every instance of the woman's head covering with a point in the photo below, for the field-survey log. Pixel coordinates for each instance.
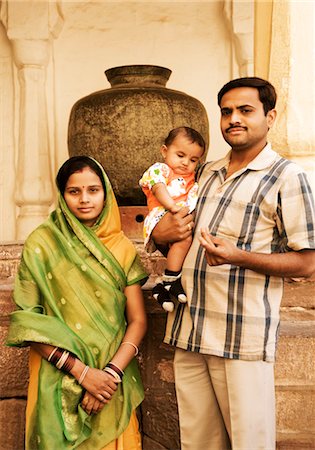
(108, 225)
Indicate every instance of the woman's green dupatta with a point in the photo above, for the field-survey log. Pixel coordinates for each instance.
(69, 291)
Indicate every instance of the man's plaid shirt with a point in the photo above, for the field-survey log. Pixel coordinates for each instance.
(266, 207)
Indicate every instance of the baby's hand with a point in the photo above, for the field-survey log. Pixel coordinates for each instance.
(175, 208)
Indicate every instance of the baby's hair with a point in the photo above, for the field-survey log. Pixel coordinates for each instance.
(188, 132)
(77, 164)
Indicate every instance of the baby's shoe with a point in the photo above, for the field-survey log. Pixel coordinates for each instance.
(163, 297)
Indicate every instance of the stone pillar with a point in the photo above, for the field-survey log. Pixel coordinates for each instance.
(7, 151)
(31, 26)
(292, 68)
(240, 19)
(262, 38)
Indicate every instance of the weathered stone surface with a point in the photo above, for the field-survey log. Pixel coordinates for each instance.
(295, 360)
(159, 408)
(13, 361)
(132, 218)
(299, 293)
(14, 367)
(10, 255)
(11, 251)
(150, 444)
(295, 409)
(295, 441)
(12, 424)
(154, 264)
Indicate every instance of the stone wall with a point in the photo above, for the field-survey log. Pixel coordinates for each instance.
(295, 377)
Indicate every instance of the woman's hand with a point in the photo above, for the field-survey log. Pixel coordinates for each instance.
(98, 383)
(91, 405)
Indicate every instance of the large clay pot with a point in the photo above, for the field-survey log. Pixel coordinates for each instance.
(124, 126)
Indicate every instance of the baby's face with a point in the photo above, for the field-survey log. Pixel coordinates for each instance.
(182, 155)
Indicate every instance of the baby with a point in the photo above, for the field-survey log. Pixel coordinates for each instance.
(169, 186)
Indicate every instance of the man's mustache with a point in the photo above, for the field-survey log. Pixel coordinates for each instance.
(235, 126)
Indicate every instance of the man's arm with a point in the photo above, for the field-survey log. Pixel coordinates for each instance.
(295, 264)
(173, 227)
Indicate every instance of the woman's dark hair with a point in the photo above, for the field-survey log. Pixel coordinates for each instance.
(266, 91)
(77, 164)
(190, 133)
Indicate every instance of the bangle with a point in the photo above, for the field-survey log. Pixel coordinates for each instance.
(133, 345)
(68, 365)
(83, 374)
(116, 369)
(113, 373)
(55, 356)
(62, 360)
(52, 353)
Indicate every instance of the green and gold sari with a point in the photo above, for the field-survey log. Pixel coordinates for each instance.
(70, 293)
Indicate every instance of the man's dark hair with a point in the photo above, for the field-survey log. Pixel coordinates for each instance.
(77, 164)
(266, 91)
(188, 132)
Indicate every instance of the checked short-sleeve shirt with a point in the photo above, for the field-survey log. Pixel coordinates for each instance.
(266, 207)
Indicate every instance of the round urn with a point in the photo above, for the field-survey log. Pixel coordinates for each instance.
(123, 127)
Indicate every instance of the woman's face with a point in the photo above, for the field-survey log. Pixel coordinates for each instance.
(84, 195)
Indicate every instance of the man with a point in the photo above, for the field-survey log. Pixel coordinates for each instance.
(254, 225)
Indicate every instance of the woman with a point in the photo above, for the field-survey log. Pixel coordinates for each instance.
(81, 311)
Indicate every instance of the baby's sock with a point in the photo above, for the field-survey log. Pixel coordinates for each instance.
(163, 297)
(172, 283)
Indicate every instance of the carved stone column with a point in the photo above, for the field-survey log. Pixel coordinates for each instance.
(33, 183)
(292, 68)
(240, 20)
(30, 28)
(7, 153)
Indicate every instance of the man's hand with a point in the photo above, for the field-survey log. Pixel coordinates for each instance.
(173, 227)
(218, 251)
(293, 264)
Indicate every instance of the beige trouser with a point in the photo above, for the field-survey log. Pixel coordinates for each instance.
(224, 403)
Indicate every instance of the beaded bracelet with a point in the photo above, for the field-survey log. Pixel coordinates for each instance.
(133, 345)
